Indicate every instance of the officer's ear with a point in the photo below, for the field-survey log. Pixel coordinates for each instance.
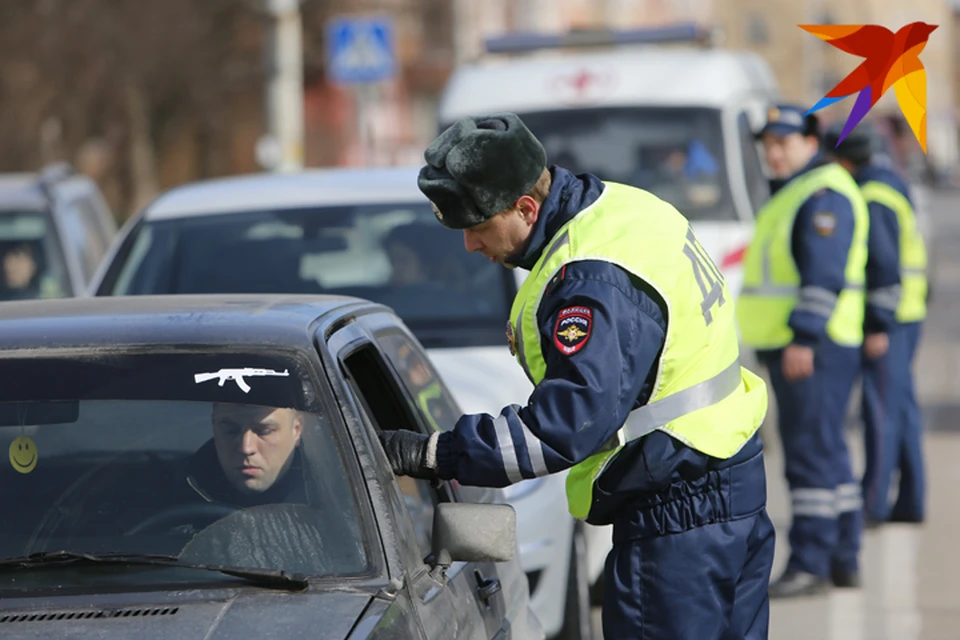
(529, 209)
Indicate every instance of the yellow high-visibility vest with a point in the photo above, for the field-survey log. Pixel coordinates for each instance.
(702, 396)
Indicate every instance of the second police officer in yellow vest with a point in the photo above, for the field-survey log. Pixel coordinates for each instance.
(896, 307)
(802, 309)
(626, 327)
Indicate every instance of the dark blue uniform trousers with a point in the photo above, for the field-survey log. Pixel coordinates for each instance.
(825, 499)
(693, 562)
(892, 430)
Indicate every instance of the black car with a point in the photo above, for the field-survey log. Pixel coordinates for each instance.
(208, 467)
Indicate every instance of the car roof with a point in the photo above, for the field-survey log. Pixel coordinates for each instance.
(122, 322)
(650, 76)
(287, 190)
(20, 191)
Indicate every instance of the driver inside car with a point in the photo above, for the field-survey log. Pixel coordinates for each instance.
(253, 458)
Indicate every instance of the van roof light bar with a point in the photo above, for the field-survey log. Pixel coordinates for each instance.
(529, 41)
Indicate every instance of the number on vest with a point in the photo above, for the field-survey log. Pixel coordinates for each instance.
(708, 276)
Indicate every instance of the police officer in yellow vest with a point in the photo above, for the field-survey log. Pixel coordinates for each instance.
(626, 327)
(802, 309)
(896, 307)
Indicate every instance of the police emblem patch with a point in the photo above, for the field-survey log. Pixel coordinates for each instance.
(824, 223)
(511, 339)
(574, 325)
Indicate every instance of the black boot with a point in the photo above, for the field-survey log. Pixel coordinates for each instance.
(798, 583)
(845, 579)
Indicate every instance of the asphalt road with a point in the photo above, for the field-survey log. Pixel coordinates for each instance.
(911, 573)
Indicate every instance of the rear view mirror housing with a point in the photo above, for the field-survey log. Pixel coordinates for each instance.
(474, 533)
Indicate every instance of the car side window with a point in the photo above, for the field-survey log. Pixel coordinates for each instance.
(384, 402)
(758, 187)
(431, 399)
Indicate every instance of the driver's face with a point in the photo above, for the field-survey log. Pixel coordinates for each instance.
(255, 444)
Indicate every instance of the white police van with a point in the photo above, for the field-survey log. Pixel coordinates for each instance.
(675, 120)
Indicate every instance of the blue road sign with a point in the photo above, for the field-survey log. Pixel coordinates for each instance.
(360, 50)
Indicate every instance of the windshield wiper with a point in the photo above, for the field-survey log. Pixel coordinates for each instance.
(276, 578)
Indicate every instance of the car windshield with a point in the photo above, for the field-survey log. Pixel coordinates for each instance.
(397, 255)
(675, 153)
(31, 263)
(214, 459)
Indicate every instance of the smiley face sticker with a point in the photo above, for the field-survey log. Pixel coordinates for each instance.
(23, 454)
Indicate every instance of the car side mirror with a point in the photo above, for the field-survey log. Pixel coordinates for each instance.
(473, 533)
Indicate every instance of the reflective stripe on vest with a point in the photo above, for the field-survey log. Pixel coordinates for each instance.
(912, 305)
(701, 395)
(771, 281)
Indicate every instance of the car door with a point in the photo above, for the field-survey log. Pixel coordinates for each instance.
(437, 410)
(453, 608)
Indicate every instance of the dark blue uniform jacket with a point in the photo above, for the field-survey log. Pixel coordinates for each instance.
(585, 397)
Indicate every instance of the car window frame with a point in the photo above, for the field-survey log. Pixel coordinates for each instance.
(372, 326)
(423, 586)
(389, 513)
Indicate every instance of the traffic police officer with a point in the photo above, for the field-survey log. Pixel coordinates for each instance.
(896, 307)
(626, 328)
(802, 309)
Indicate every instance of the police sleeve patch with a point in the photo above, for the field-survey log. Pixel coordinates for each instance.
(824, 223)
(574, 325)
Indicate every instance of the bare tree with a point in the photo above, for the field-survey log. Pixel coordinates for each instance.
(129, 72)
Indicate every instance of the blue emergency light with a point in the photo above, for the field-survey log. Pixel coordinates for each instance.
(519, 42)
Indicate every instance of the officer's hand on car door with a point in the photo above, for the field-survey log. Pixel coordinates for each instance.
(797, 362)
(410, 453)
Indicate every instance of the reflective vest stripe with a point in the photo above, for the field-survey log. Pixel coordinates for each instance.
(887, 297)
(508, 452)
(650, 417)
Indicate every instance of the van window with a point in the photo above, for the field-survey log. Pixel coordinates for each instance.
(758, 187)
(675, 153)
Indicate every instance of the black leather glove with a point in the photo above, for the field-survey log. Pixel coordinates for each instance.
(407, 452)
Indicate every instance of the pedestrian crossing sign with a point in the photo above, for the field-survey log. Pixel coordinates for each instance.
(360, 50)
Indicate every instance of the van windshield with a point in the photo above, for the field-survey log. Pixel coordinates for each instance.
(674, 153)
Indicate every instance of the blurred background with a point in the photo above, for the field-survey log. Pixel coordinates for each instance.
(143, 95)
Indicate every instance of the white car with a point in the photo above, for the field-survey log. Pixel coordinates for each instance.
(371, 233)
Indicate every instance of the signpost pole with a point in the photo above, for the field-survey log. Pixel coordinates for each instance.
(285, 127)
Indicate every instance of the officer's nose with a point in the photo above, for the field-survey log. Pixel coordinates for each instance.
(471, 242)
